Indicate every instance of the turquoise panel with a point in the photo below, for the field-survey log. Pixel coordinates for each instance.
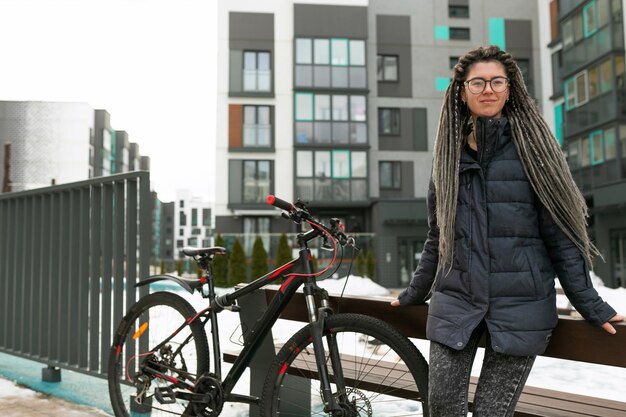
(441, 83)
(442, 32)
(558, 123)
(496, 32)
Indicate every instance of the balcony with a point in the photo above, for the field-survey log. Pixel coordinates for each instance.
(566, 6)
(338, 191)
(599, 110)
(587, 50)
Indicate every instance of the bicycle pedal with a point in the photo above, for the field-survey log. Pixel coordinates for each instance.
(165, 395)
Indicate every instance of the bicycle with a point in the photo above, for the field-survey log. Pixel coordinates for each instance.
(337, 365)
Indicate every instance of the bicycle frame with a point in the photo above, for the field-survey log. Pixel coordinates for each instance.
(296, 273)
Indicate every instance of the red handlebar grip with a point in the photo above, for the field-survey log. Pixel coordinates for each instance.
(277, 202)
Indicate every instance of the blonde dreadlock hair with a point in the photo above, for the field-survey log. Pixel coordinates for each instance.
(541, 156)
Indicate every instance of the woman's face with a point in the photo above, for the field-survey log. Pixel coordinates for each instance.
(486, 103)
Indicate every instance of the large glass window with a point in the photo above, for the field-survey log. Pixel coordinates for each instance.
(331, 175)
(257, 128)
(594, 82)
(389, 121)
(590, 24)
(257, 73)
(330, 119)
(606, 76)
(585, 152)
(256, 181)
(581, 88)
(389, 174)
(206, 217)
(330, 63)
(387, 67)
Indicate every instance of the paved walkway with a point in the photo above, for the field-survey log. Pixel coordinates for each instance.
(17, 401)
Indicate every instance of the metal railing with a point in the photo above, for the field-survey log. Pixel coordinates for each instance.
(68, 254)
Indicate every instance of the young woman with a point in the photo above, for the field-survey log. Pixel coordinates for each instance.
(505, 217)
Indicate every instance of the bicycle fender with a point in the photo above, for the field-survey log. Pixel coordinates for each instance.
(155, 278)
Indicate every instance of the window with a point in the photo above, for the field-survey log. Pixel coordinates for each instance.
(610, 150)
(389, 121)
(585, 152)
(458, 11)
(181, 232)
(389, 174)
(257, 127)
(338, 175)
(573, 154)
(453, 61)
(182, 218)
(256, 181)
(180, 243)
(590, 25)
(330, 119)
(196, 231)
(181, 203)
(578, 27)
(256, 71)
(387, 67)
(336, 63)
(192, 241)
(568, 34)
(576, 91)
(594, 82)
(206, 217)
(253, 227)
(460, 33)
(194, 216)
(526, 70)
(606, 76)
(597, 147)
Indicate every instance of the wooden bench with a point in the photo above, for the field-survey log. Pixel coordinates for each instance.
(573, 339)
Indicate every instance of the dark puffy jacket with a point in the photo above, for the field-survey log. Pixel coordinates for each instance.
(507, 251)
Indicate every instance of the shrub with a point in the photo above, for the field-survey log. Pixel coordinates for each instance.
(258, 265)
(236, 264)
(180, 267)
(283, 252)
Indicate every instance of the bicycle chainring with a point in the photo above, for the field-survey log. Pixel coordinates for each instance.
(209, 386)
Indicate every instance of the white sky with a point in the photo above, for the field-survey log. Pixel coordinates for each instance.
(150, 63)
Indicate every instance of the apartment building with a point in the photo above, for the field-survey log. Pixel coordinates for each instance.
(337, 104)
(589, 103)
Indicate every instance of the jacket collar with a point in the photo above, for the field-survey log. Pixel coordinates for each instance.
(491, 135)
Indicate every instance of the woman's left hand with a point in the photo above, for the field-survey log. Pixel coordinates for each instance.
(608, 327)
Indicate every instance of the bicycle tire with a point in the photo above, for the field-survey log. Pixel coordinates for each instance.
(132, 346)
(376, 375)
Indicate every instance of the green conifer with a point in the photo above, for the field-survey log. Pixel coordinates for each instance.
(258, 265)
(236, 264)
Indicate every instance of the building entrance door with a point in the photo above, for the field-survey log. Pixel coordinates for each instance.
(618, 256)
(410, 252)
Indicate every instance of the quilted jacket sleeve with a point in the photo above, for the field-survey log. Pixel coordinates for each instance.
(572, 268)
(419, 289)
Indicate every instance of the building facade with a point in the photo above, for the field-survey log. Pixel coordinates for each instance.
(338, 105)
(192, 222)
(44, 143)
(589, 103)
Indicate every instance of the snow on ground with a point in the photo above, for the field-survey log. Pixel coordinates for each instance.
(356, 286)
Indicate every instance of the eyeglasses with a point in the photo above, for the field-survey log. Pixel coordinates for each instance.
(478, 85)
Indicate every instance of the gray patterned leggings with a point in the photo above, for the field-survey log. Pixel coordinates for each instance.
(501, 381)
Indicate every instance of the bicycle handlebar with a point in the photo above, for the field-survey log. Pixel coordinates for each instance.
(298, 212)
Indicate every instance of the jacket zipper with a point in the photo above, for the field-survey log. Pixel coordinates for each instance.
(471, 204)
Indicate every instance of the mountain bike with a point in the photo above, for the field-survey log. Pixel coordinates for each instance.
(337, 365)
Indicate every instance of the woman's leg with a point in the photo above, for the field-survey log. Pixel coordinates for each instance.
(501, 382)
(448, 377)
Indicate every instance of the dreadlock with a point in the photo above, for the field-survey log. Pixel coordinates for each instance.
(543, 161)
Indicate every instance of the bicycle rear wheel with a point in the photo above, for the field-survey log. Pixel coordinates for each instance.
(156, 358)
(384, 372)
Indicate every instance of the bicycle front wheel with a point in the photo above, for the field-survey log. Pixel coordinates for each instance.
(157, 358)
(383, 372)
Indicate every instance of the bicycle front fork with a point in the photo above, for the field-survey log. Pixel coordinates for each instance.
(317, 318)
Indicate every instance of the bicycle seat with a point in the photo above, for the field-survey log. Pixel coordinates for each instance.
(216, 250)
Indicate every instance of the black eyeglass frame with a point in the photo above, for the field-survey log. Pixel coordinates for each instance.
(506, 84)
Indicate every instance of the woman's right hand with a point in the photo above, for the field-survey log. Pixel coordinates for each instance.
(395, 303)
